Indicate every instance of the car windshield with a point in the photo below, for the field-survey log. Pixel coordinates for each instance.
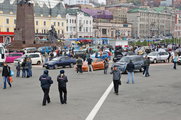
(56, 59)
(125, 59)
(153, 54)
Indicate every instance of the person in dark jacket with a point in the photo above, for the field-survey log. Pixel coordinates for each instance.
(106, 65)
(116, 79)
(89, 61)
(147, 65)
(62, 80)
(46, 82)
(6, 74)
(130, 69)
(23, 68)
(79, 63)
(18, 69)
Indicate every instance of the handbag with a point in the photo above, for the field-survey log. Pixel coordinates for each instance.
(10, 79)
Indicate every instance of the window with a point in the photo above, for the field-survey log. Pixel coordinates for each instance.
(14, 21)
(44, 22)
(36, 22)
(54, 23)
(44, 31)
(36, 30)
(104, 31)
(7, 21)
(62, 24)
(58, 23)
(7, 30)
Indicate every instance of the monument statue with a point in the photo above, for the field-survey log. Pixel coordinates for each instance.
(52, 35)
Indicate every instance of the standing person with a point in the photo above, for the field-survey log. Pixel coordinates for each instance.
(89, 60)
(175, 59)
(106, 65)
(147, 65)
(130, 69)
(169, 56)
(62, 80)
(116, 79)
(23, 68)
(46, 57)
(79, 65)
(18, 69)
(46, 82)
(6, 74)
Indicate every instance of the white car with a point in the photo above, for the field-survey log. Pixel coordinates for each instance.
(158, 56)
(36, 58)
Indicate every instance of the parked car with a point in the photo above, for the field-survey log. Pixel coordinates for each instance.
(60, 61)
(97, 64)
(10, 57)
(79, 53)
(179, 60)
(44, 49)
(30, 50)
(138, 61)
(104, 55)
(158, 56)
(36, 58)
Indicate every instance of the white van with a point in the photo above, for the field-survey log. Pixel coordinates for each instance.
(36, 58)
(2, 54)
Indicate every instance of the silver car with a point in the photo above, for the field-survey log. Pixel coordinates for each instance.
(156, 57)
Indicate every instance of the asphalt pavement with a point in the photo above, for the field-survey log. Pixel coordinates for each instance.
(151, 98)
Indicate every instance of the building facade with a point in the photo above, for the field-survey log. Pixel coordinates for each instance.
(75, 2)
(79, 24)
(45, 17)
(147, 23)
(177, 28)
(113, 2)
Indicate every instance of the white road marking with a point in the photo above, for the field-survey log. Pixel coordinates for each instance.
(96, 108)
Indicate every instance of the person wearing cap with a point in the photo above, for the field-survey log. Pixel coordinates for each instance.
(130, 69)
(62, 80)
(46, 82)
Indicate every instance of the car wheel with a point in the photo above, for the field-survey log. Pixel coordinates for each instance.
(71, 65)
(38, 63)
(141, 69)
(154, 61)
(56, 67)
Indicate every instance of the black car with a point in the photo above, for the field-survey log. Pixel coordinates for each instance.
(60, 61)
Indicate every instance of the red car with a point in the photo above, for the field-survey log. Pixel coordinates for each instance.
(10, 57)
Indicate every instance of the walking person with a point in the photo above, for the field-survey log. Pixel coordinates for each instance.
(116, 79)
(62, 80)
(106, 65)
(147, 65)
(79, 65)
(130, 69)
(46, 82)
(18, 69)
(6, 74)
(175, 60)
(89, 60)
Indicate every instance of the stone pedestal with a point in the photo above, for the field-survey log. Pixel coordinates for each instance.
(25, 29)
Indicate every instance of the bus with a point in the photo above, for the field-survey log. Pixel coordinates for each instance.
(2, 54)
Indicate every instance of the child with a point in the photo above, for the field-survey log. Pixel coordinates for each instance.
(18, 68)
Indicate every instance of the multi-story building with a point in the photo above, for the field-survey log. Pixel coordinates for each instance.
(46, 15)
(113, 2)
(119, 14)
(149, 22)
(177, 28)
(104, 28)
(79, 24)
(75, 2)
